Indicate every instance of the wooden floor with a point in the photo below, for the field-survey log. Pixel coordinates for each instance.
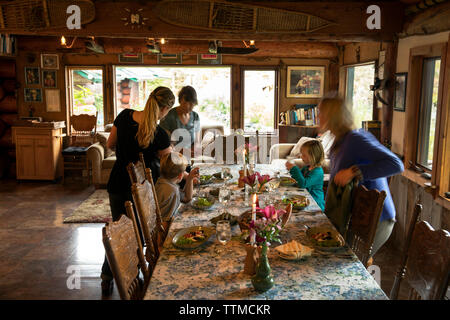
(37, 248)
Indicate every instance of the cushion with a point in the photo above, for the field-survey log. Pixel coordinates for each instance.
(207, 139)
(295, 152)
(108, 127)
(327, 139)
(102, 138)
(108, 163)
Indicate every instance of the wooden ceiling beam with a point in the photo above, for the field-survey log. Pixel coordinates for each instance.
(299, 49)
(349, 20)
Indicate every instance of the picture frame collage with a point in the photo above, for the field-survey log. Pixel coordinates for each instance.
(43, 78)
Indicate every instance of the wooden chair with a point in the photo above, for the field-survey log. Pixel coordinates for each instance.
(401, 271)
(145, 203)
(126, 258)
(84, 127)
(82, 135)
(138, 172)
(425, 264)
(366, 211)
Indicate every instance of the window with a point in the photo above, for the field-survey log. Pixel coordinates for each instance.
(86, 92)
(134, 85)
(427, 112)
(358, 96)
(259, 100)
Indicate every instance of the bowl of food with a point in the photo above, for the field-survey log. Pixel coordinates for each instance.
(298, 202)
(203, 203)
(325, 237)
(245, 218)
(206, 179)
(191, 238)
(287, 181)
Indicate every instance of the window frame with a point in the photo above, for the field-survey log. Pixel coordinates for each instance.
(374, 104)
(413, 98)
(68, 81)
(114, 84)
(275, 68)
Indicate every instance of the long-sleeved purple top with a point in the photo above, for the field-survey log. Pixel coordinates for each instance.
(376, 162)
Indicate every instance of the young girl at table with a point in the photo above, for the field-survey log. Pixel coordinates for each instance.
(168, 192)
(310, 176)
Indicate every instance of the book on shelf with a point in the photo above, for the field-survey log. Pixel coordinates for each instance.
(8, 44)
(301, 114)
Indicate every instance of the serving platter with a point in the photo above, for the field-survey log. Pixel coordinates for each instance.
(206, 231)
(195, 202)
(336, 240)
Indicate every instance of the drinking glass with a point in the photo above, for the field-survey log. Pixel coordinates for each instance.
(224, 196)
(223, 231)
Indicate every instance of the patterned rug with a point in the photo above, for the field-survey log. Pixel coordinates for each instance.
(94, 209)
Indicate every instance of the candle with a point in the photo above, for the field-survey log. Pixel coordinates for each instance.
(243, 163)
(253, 216)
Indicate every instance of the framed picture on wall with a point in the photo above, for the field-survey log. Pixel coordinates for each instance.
(52, 100)
(49, 61)
(49, 78)
(400, 91)
(305, 82)
(32, 75)
(33, 95)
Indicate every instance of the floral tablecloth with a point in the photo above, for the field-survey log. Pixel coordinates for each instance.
(214, 271)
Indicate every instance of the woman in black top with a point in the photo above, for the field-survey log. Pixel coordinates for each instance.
(134, 132)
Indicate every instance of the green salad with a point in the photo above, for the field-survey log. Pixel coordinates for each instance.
(204, 202)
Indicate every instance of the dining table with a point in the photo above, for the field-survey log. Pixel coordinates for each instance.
(214, 271)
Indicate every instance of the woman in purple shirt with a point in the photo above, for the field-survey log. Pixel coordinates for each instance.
(357, 153)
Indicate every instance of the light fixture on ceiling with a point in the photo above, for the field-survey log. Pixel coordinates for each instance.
(153, 46)
(64, 42)
(162, 41)
(250, 45)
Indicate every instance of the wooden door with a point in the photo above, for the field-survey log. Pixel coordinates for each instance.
(43, 157)
(25, 157)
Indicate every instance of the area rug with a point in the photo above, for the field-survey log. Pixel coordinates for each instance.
(94, 209)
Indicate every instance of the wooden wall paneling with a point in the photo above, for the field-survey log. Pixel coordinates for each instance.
(389, 73)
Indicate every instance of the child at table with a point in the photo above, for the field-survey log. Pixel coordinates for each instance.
(173, 166)
(310, 176)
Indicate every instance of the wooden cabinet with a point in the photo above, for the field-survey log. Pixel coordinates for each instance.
(38, 152)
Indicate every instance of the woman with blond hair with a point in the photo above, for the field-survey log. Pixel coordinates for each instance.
(357, 153)
(134, 132)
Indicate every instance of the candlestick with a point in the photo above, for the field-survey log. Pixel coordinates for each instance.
(244, 167)
(253, 217)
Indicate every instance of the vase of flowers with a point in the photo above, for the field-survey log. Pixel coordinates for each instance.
(266, 231)
(256, 182)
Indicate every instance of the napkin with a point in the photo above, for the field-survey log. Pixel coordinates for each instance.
(294, 250)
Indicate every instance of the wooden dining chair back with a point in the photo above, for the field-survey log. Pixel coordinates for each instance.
(146, 211)
(84, 127)
(125, 258)
(427, 268)
(136, 171)
(402, 269)
(162, 230)
(366, 211)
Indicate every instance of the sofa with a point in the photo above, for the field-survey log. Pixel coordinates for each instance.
(102, 158)
(282, 152)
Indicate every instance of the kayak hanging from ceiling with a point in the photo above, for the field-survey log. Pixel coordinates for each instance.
(41, 14)
(223, 16)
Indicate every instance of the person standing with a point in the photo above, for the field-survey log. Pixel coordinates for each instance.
(357, 153)
(134, 132)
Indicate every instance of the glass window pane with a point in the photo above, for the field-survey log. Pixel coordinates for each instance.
(359, 97)
(87, 93)
(259, 100)
(428, 109)
(212, 84)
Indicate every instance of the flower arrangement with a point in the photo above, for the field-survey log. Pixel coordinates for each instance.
(256, 181)
(267, 229)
